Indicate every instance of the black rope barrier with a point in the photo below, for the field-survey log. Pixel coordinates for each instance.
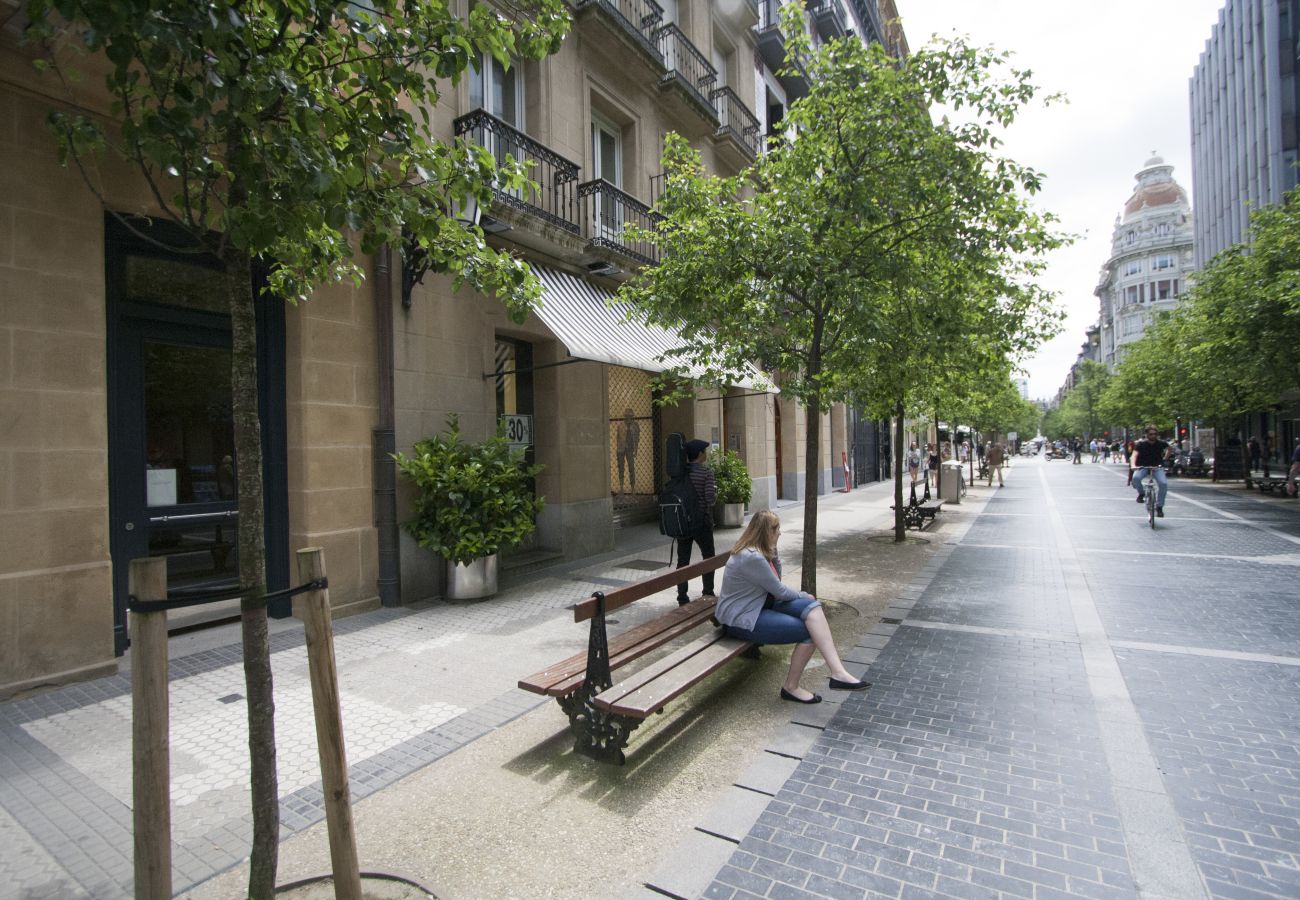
(181, 600)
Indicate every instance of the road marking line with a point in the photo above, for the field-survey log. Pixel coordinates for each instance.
(999, 632)
(1276, 559)
(1210, 652)
(1157, 846)
(1236, 518)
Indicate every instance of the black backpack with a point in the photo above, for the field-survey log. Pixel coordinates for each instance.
(679, 513)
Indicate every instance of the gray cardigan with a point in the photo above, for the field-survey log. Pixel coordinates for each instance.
(746, 582)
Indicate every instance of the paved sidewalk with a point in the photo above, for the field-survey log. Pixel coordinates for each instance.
(1065, 703)
(1070, 705)
(416, 685)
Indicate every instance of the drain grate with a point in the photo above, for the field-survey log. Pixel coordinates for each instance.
(230, 698)
(892, 621)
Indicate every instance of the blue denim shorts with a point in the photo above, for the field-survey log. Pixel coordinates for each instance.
(781, 623)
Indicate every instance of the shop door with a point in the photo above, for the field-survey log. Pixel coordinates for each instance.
(174, 477)
(634, 441)
(173, 471)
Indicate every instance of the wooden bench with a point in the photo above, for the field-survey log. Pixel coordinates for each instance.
(604, 713)
(920, 513)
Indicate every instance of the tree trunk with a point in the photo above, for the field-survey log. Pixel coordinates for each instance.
(252, 577)
(900, 530)
(812, 463)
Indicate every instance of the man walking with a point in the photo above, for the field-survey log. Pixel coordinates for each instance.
(995, 456)
(706, 494)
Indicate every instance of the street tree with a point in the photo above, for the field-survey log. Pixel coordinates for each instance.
(1080, 410)
(816, 260)
(288, 135)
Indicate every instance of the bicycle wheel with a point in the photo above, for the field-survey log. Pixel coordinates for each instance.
(1151, 503)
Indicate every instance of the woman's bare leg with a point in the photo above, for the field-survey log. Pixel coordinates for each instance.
(820, 631)
(798, 662)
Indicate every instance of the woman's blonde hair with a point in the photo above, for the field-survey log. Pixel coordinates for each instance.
(760, 534)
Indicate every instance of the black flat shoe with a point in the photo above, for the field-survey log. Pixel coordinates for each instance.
(786, 695)
(837, 685)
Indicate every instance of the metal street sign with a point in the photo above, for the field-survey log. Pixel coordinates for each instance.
(518, 431)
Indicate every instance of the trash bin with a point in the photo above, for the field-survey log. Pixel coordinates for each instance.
(952, 482)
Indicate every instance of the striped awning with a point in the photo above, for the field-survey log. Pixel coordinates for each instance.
(593, 325)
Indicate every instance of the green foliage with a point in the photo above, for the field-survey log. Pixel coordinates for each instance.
(1229, 348)
(283, 129)
(732, 477)
(473, 499)
(1080, 413)
(873, 254)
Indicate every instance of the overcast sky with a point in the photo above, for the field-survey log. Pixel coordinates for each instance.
(1125, 68)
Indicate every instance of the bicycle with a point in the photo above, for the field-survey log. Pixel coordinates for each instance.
(1149, 489)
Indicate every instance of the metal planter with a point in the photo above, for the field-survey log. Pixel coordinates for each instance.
(473, 581)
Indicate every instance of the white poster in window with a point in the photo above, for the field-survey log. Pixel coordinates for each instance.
(160, 487)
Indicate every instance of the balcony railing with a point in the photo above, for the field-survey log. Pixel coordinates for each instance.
(639, 18)
(686, 63)
(828, 18)
(735, 120)
(607, 210)
(657, 185)
(555, 198)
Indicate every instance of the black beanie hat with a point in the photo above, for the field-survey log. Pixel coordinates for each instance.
(695, 448)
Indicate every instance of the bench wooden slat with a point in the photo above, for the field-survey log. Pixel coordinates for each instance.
(649, 689)
(620, 597)
(566, 676)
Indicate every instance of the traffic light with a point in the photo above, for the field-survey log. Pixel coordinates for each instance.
(1105, 434)
(1182, 432)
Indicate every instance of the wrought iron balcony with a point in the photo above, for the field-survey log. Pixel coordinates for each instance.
(606, 212)
(828, 18)
(637, 19)
(772, 48)
(735, 121)
(687, 66)
(555, 199)
(657, 185)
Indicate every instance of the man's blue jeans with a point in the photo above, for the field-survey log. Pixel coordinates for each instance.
(1140, 474)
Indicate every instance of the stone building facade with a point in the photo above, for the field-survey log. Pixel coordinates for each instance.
(114, 356)
(1150, 260)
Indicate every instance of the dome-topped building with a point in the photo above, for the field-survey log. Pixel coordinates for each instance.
(1151, 254)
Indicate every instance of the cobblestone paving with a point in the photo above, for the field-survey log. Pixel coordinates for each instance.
(1226, 734)
(414, 685)
(991, 756)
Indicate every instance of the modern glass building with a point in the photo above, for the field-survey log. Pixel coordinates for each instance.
(1244, 108)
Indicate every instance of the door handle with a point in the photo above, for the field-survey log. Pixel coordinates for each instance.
(130, 526)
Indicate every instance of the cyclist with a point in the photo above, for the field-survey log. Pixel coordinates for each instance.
(1148, 456)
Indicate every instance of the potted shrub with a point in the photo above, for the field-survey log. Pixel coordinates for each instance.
(734, 486)
(473, 499)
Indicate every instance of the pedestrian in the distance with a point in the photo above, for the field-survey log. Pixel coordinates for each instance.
(1253, 446)
(913, 461)
(1105, 453)
(995, 456)
(1093, 449)
(934, 465)
(706, 494)
(1294, 472)
(1076, 447)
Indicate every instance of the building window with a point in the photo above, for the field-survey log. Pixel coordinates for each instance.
(1130, 237)
(1132, 267)
(1164, 290)
(1164, 261)
(498, 91)
(1130, 295)
(1164, 229)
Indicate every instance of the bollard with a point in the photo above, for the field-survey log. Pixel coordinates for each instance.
(150, 742)
(313, 608)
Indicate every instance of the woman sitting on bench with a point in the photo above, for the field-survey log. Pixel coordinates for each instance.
(755, 606)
